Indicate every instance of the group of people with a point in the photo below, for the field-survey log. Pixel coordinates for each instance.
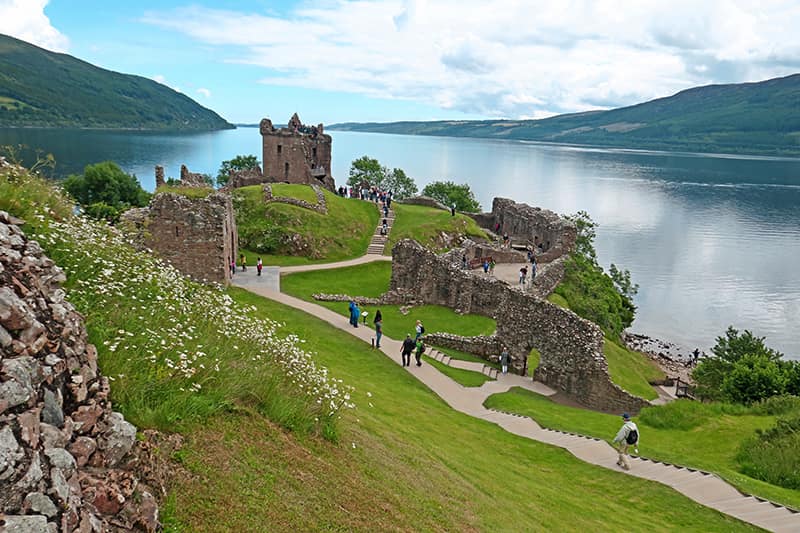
(365, 192)
(488, 265)
(243, 264)
(415, 345)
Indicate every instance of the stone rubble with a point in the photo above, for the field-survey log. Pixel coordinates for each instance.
(66, 459)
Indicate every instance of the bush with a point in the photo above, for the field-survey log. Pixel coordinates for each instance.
(368, 170)
(771, 455)
(777, 405)
(240, 162)
(450, 193)
(105, 190)
(753, 378)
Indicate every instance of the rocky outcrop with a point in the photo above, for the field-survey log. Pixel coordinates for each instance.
(66, 459)
(571, 347)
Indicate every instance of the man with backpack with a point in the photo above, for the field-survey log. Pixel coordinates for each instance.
(420, 351)
(628, 435)
(408, 347)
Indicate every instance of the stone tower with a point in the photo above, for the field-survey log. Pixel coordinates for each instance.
(297, 153)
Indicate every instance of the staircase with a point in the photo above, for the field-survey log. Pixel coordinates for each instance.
(378, 242)
(486, 369)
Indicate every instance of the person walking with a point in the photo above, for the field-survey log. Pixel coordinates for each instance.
(420, 329)
(353, 315)
(453, 210)
(628, 435)
(408, 347)
(356, 314)
(486, 266)
(492, 264)
(233, 266)
(420, 349)
(378, 321)
(243, 261)
(523, 272)
(504, 360)
(259, 266)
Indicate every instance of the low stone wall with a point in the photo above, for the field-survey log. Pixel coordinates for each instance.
(571, 347)
(500, 255)
(321, 206)
(65, 456)
(548, 276)
(488, 347)
(360, 300)
(424, 200)
(245, 178)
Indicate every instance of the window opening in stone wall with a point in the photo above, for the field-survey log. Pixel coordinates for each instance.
(314, 152)
(286, 171)
(177, 232)
(280, 148)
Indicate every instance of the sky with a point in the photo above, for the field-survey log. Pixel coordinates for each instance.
(341, 60)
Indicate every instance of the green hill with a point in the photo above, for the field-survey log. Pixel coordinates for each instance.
(759, 118)
(46, 89)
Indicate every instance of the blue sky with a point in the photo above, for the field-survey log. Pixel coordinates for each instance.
(376, 60)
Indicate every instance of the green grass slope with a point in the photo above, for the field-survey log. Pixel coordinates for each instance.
(426, 224)
(762, 117)
(705, 436)
(47, 89)
(402, 460)
(283, 234)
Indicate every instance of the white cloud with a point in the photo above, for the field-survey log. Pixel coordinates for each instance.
(205, 92)
(509, 58)
(25, 19)
(160, 78)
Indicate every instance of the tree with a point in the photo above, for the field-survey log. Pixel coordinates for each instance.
(742, 369)
(240, 162)
(366, 170)
(450, 193)
(106, 190)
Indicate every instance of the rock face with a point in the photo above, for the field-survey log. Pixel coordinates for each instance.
(297, 153)
(61, 445)
(549, 234)
(571, 347)
(197, 235)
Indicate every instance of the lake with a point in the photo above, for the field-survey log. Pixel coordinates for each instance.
(711, 240)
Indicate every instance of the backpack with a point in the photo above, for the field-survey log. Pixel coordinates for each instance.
(633, 437)
(422, 329)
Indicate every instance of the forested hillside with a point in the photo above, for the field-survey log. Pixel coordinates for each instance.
(46, 89)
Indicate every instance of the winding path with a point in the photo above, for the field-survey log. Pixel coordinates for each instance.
(703, 487)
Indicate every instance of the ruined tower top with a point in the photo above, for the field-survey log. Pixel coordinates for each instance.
(298, 153)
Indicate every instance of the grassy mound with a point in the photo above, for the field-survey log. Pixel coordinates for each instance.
(283, 234)
(632, 370)
(706, 436)
(426, 224)
(372, 279)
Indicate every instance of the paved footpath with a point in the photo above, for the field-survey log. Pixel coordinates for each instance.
(702, 487)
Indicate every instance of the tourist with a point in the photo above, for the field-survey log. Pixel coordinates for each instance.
(420, 329)
(243, 261)
(389, 199)
(408, 347)
(533, 271)
(504, 360)
(420, 348)
(506, 241)
(353, 316)
(523, 273)
(453, 210)
(356, 314)
(628, 435)
(259, 266)
(385, 227)
(378, 321)
(233, 266)
(486, 266)
(385, 210)
(695, 356)
(492, 264)
(464, 263)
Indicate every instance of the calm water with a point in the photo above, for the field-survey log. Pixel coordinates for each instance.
(712, 241)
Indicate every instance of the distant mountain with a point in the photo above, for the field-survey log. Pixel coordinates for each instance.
(42, 88)
(757, 118)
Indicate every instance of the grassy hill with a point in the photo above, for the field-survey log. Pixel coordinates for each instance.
(758, 118)
(259, 454)
(46, 89)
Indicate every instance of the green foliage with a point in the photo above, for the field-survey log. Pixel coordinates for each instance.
(772, 455)
(450, 193)
(25, 195)
(87, 96)
(105, 190)
(743, 369)
(366, 170)
(240, 162)
(41, 163)
(589, 291)
(739, 118)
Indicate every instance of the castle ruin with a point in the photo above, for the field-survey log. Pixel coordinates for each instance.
(296, 154)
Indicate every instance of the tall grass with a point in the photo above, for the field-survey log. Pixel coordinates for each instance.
(772, 455)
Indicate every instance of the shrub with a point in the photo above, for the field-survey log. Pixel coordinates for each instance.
(777, 405)
(450, 193)
(771, 455)
(106, 190)
(753, 378)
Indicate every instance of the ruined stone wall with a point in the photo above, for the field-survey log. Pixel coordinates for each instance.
(571, 347)
(291, 155)
(427, 201)
(488, 347)
(197, 235)
(66, 459)
(244, 178)
(531, 226)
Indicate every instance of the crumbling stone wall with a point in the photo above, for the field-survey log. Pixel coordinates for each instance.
(571, 347)
(243, 178)
(297, 153)
(548, 233)
(65, 456)
(427, 201)
(197, 235)
(321, 206)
